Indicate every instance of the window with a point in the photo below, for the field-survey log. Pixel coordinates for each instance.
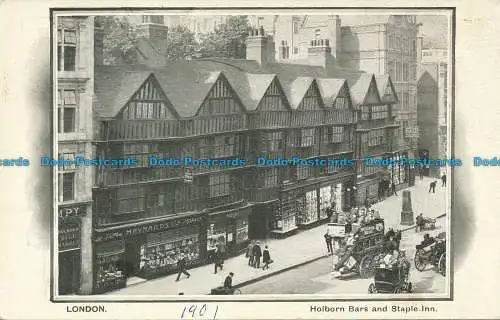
(306, 137)
(303, 172)
(156, 200)
(219, 185)
(295, 27)
(365, 113)
(341, 103)
(68, 186)
(225, 146)
(376, 137)
(69, 161)
(270, 177)
(141, 152)
(66, 50)
(295, 50)
(336, 134)
(317, 33)
(379, 112)
(272, 141)
(414, 48)
(66, 106)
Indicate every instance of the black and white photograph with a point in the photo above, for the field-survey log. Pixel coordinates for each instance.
(267, 154)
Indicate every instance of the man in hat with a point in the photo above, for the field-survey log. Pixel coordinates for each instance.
(181, 265)
(257, 253)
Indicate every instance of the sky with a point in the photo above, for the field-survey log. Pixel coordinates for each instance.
(435, 29)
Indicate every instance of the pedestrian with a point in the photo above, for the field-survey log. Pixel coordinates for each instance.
(228, 282)
(266, 258)
(393, 188)
(432, 187)
(443, 180)
(219, 258)
(328, 240)
(257, 253)
(421, 173)
(181, 265)
(249, 254)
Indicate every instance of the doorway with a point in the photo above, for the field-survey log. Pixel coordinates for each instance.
(69, 272)
(132, 256)
(258, 223)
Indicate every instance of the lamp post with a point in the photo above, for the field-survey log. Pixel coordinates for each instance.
(407, 211)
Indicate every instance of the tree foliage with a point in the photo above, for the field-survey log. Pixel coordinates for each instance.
(181, 43)
(120, 39)
(228, 40)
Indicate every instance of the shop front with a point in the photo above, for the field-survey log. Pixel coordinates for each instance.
(285, 214)
(69, 248)
(399, 173)
(228, 230)
(146, 250)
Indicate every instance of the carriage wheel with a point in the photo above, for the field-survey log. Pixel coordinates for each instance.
(442, 264)
(237, 291)
(420, 264)
(372, 289)
(397, 290)
(365, 267)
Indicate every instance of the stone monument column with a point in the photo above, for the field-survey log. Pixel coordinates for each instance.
(407, 212)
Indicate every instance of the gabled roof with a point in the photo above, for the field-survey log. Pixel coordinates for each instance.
(185, 87)
(114, 86)
(383, 82)
(330, 89)
(359, 85)
(258, 84)
(296, 90)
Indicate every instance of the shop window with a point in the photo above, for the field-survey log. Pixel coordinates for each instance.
(66, 49)
(66, 106)
(162, 250)
(335, 134)
(379, 112)
(68, 186)
(306, 137)
(219, 185)
(241, 230)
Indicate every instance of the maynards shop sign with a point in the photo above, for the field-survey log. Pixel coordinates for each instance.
(145, 229)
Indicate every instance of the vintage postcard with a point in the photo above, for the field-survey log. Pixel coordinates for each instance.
(208, 161)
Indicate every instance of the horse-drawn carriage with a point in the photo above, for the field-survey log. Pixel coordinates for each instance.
(424, 223)
(392, 278)
(432, 251)
(363, 252)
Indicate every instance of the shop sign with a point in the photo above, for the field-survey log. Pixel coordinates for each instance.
(240, 213)
(69, 236)
(412, 132)
(70, 212)
(144, 229)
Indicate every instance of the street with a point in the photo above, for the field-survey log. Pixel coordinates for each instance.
(315, 277)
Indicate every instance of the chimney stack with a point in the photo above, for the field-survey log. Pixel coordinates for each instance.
(320, 53)
(259, 46)
(155, 32)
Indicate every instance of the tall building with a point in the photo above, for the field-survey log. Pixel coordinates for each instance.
(433, 107)
(75, 89)
(378, 44)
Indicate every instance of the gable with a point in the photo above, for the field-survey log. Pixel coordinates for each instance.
(221, 99)
(148, 102)
(343, 99)
(274, 98)
(312, 98)
(390, 93)
(372, 96)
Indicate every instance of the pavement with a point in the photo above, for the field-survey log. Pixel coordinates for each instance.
(293, 252)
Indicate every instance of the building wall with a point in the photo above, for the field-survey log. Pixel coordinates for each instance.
(76, 140)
